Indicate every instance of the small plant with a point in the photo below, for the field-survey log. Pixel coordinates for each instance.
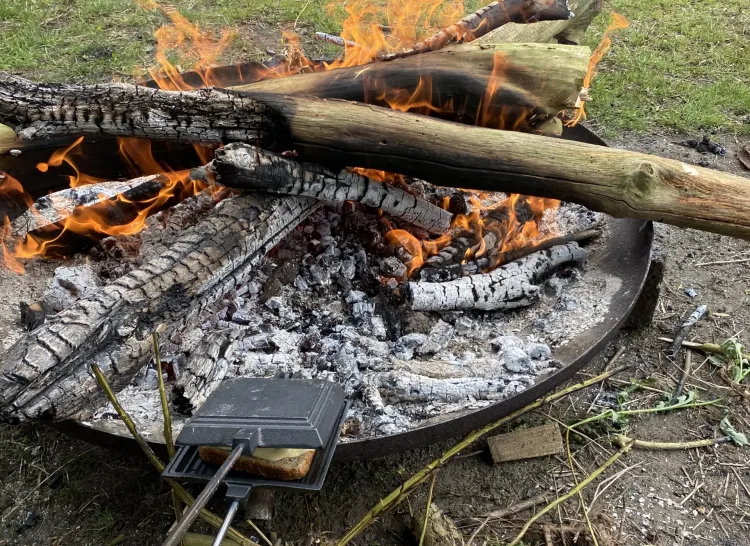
(734, 359)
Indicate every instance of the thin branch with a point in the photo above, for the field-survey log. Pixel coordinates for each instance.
(427, 510)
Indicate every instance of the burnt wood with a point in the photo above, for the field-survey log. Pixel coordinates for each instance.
(340, 133)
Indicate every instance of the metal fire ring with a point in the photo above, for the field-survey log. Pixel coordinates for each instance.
(626, 257)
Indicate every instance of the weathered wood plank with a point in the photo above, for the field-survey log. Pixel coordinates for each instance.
(526, 443)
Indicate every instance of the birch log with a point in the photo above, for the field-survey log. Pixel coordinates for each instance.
(48, 371)
(508, 287)
(339, 133)
(251, 168)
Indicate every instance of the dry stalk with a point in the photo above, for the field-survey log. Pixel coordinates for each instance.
(621, 440)
(167, 418)
(399, 494)
(427, 509)
(209, 517)
(576, 490)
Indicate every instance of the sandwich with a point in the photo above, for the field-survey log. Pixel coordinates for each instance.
(269, 463)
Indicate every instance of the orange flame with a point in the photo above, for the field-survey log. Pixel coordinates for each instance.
(412, 245)
(59, 157)
(617, 22)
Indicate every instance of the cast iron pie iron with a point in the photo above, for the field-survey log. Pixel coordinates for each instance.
(245, 414)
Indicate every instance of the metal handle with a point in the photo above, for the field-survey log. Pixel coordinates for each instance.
(191, 513)
(226, 523)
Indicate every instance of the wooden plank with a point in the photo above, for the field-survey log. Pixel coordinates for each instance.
(526, 443)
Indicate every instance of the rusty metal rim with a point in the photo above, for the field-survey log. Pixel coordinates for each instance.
(626, 256)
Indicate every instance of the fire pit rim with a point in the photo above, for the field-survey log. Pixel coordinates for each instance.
(626, 256)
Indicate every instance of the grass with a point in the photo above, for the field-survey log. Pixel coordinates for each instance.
(682, 65)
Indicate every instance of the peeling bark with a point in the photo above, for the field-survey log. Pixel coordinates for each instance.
(508, 287)
(247, 167)
(48, 371)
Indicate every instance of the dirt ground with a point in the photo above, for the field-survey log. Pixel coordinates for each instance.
(56, 490)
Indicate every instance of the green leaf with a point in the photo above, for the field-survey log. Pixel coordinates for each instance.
(737, 437)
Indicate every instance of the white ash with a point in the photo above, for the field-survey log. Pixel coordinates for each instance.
(69, 284)
(321, 305)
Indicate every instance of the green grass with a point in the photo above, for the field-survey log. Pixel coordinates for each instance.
(683, 65)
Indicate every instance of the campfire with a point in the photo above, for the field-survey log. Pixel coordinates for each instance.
(311, 218)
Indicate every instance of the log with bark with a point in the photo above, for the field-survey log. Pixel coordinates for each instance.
(488, 18)
(251, 168)
(508, 287)
(568, 31)
(48, 371)
(459, 75)
(340, 133)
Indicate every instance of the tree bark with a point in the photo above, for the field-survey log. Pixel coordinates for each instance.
(247, 167)
(48, 371)
(339, 133)
(569, 31)
(508, 287)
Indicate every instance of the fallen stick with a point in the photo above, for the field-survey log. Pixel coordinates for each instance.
(456, 271)
(623, 441)
(333, 39)
(251, 168)
(683, 330)
(683, 377)
(518, 507)
(508, 287)
(47, 372)
(399, 494)
(487, 19)
(618, 182)
(712, 348)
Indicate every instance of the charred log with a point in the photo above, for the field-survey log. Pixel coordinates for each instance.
(338, 133)
(508, 287)
(451, 272)
(250, 168)
(48, 371)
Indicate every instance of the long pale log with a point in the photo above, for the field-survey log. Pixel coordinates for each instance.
(339, 133)
(251, 168)
(48, 371)
(566, 31)
(488, 18)
(545, 77)
(508, 287)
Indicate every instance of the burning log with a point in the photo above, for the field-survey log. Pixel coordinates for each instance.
(618, 182)
(48, 371)
(508, 287)
(55, 207)
(569, 31)
(489, 18)
(247, 167)
(458, 75)
(445, 273)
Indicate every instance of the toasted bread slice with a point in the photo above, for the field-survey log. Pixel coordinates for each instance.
(285, 469)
